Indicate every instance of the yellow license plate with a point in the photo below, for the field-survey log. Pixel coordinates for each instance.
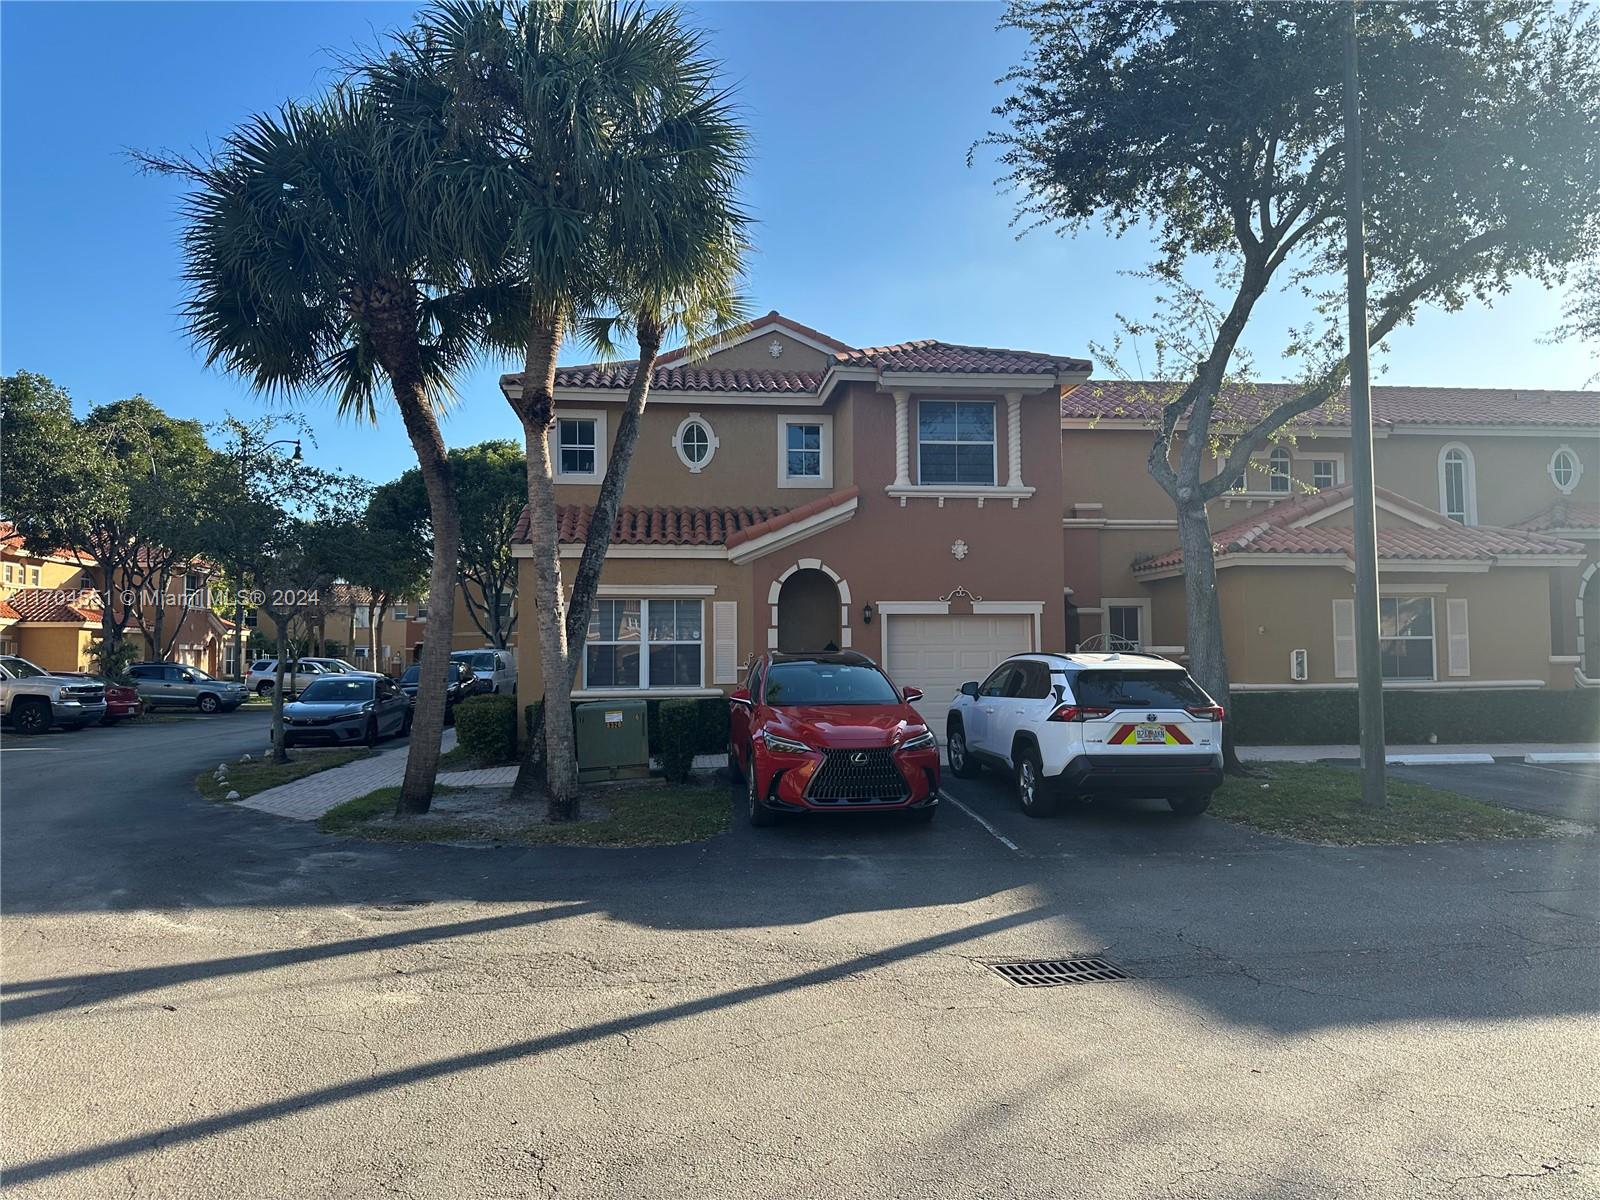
(1150, 735)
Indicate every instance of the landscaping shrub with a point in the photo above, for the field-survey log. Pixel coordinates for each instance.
(679, 727)
(709, 723)
(486, 727)
(1411, 717)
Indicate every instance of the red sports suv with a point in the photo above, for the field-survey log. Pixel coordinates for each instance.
(829, 733)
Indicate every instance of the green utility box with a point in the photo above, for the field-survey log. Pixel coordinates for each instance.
(613, 740)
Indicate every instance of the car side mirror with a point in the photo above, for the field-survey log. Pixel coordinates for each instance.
(740, 696)
(912, 694)
(970, 688)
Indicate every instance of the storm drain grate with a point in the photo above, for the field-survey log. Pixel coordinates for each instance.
(1054, 972)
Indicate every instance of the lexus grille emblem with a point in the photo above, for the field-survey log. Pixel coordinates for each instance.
(1149, 716)
(858, 758)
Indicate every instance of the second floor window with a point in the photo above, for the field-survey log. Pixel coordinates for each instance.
(575, 446)
(1322, 473)
(955, 442)
(1278, 470)
(1457, 486)
(803, 450)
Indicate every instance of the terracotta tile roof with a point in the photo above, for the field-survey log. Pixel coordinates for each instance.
(784, 519)
(10, 539)
(686, 379)
(52, 604)
(7, 613)
(1143, 400)
(655, 526)
(772, 318)
(951, 358)
(1563, 514)
(1274, 532)
(13, 541)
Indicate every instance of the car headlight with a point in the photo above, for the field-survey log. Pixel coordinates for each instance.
(921, 741)
(783, 745)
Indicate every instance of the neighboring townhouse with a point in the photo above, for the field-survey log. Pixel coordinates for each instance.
(939, 506)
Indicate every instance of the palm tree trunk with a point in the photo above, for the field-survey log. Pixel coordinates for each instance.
(427, 720)
(536, 409)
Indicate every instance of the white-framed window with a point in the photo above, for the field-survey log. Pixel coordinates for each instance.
(956, 442)
(1565, 469)
(1324, 473)
(399, 612)
(1458, 487)
(1405, 637)
(1278, 463)
(644, 644)
(230, 661)
(361, 652)
(33, 576)
(578, 445)
(805, 451)
(1127, 621)
(696, 442)
(11, 572)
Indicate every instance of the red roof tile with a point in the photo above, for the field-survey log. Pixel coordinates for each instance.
(1144, 399)
(785, 519)
(951, 358)
(1274, 532)
(774, 317)
(655, 526)
(619, 376)
(1563, 514)
(53, 604)
(7, 613)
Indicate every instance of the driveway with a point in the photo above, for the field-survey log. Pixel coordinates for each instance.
(1566, 791)
(202, 1000)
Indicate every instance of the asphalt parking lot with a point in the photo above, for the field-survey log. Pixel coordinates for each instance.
(201, 1000)
(1566, 791)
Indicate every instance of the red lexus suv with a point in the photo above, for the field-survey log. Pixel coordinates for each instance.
(830, 733)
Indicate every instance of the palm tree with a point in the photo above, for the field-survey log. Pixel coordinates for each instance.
(591, 146)
(311, 270)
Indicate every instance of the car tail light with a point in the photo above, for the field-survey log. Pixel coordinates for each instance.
(1071, 712)
(1207, 712)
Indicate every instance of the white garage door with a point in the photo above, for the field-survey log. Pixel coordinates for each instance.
(940, 653)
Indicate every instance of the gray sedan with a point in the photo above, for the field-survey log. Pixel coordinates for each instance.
(347, 709)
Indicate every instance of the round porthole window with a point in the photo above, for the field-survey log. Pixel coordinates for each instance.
(1565, 469)
(695, 442)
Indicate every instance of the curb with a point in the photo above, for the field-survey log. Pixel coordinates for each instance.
(1563, 756)
(1438, 760)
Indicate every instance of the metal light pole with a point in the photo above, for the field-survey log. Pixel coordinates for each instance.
(1369, 663)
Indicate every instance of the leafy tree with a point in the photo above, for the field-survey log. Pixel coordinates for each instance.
(1218, 129)
(1581, 313)
(311, 270)
(601, 158)
(124, 486)
(492, 488)
(388, 554)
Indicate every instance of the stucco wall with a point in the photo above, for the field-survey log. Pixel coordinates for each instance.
(54, 649)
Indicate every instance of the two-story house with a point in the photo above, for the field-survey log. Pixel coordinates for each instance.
(940, 506)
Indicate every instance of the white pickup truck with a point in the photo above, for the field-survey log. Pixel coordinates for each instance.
(32, 699)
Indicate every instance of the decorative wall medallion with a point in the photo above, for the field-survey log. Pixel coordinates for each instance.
(963, 593)
(775, 348)
(959, 548)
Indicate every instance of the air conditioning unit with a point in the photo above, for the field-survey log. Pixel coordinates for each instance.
(1299, 667)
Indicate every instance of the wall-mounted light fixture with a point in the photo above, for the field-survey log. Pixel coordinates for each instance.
(866, 614)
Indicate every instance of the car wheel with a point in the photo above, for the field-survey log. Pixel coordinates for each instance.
(264, 689)
(208, 704)
(370, 737)
(405, 724)
(760, 815)
(1031, 787)
(31, 716)
(1191, 805)
(962, 765)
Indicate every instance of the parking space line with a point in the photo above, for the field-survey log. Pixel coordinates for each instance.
(993, 832)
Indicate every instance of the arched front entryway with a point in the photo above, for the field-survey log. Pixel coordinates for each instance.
(810, 609)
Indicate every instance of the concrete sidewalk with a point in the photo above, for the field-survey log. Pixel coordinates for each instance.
(1441, 755)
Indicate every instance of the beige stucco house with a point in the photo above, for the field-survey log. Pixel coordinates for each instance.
(939, 506)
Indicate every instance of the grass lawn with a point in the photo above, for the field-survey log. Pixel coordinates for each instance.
(642, 814)
(262, 773)
(1314, 802)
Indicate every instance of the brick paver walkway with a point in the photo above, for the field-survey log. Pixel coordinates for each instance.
(307, 799)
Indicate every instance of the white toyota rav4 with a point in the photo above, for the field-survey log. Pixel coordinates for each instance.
(1090, 724)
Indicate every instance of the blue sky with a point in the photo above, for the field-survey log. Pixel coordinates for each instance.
(872, 226)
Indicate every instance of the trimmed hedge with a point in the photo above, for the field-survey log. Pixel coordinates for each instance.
(708, 725)
(486, 727)
(679, 722)
(1411, 717)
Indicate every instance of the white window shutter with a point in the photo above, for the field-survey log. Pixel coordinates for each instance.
(1459, 651)
(725, 641)
(1344, 639)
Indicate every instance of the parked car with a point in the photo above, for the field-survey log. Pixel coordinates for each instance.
(178, 685)
(263, 676)
(122, 699)
(347, 708)
(1090, 724)
(830, 733)
(339, 666)
(32, 699)
(496, 669)
(463, 683)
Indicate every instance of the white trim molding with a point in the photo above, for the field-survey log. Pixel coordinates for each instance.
(824, 422)
(775, 590)
(1396, 685)
(598, 416)
(950, 491)
(644, 590)
(712, 442)
(1142, 603)
(1577, 469)
(788, 535)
